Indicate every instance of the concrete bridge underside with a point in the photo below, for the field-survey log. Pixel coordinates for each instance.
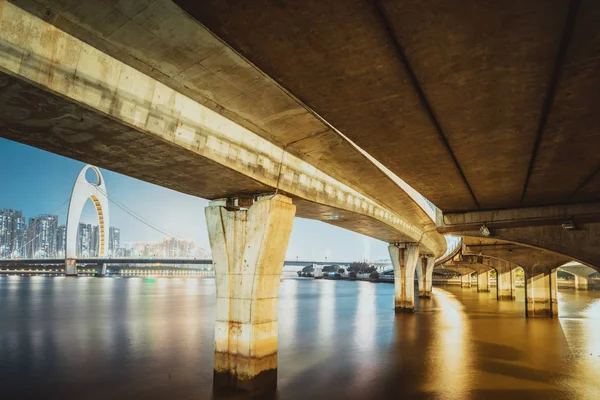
(480, 106)
(160, 41)
(487, 101)
(63, 95)
(497, 96)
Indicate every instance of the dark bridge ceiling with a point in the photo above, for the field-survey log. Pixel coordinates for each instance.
(476, 104)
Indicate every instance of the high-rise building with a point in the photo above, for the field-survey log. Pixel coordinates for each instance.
(95, 243)
(19, 239)
(41, 236)
(84, 240)
(12, 234)
(61, 241)
(173, 248)
(5, 235)
(114, 241)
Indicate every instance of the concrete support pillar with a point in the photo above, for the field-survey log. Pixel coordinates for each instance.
(541, 294)
(248, 249)
(404, 259)
(71, 267)
(101, 269)
(513, 283)
(581, 283)
(429, 277)
(483, 281)
(425, 276)
(554, 291)
(465, 280)
(504, 285)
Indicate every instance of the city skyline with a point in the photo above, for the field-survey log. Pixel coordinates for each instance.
(180, 215)
(41, 236)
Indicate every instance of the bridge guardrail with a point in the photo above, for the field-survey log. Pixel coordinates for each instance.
(450, 253)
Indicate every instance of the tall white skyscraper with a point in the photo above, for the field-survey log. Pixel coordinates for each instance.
(95, 243)
(61, 241)
(41, 236)
(12, 234)
(114, 241)
(84, 240)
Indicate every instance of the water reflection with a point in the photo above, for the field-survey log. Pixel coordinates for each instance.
(153, 338)
(326, 309)
(581, 326)
(449, 351)
(287, 322)
(365, 317)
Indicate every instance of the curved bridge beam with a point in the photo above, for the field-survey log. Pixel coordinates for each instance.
(572, 231)
(133, 124)
(581, 273)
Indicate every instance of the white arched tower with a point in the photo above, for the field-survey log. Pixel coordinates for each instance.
(82, 191)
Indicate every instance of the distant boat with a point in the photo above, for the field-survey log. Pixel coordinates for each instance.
(307, 272)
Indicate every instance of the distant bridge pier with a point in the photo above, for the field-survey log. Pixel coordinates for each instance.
(404, 258)
(540, 269)
(71, 267)
(425, 275)
(248, 247)
(541, 292)
(505, 285)
(581, 273)
(465, 280)
(581, 283)
(483, 281)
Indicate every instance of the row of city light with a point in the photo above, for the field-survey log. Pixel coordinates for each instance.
(32, 270)
(164, 272)
(123, 272)
(58, 270)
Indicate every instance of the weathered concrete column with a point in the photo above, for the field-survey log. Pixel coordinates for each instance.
(425, 275)
(404, 259)
(513, 283)
(429, 276)
(483, 281)
(541, 293)
(465, 280)
(504, 284)
(581, 283)
(71, 267)
(248, 249)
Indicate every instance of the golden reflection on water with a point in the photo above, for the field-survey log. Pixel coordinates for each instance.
(582, 333)
(449, 351)
(592, 335)
(593, 310)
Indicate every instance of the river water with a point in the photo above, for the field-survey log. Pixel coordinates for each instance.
(144, 338)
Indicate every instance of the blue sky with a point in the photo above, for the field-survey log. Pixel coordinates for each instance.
(38, 182)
